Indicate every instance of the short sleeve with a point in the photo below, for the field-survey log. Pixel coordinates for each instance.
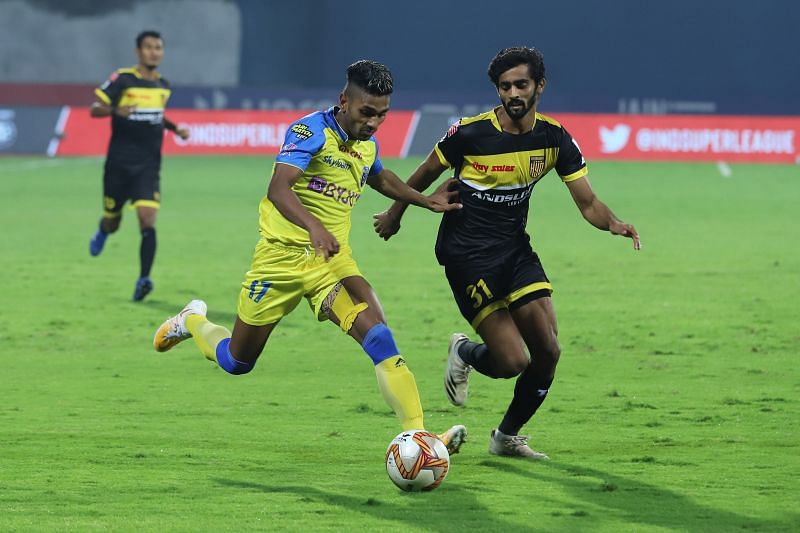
(302, 141)
(570, 164)
(111, 89)
(377, 165)
(450, 149)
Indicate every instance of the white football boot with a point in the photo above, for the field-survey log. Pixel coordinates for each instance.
(456, 374)
(513, 446)
(453, 438)
(173, 330)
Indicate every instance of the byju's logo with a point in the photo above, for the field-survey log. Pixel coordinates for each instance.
(614, 139)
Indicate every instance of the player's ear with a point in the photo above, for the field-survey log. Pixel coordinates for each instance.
(540, 86)
(343, 101)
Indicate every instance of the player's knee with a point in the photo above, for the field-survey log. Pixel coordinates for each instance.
(228, 362)
(550, 352)
(379, 343)
(512, 368)
(338, 304)
(555, 353)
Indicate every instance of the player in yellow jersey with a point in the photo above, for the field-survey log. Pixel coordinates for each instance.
(327, 159)
(497, 279)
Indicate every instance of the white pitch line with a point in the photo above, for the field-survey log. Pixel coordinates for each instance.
(35, 164)
(724, 169)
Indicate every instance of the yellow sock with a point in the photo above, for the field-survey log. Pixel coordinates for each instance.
(206, 335)
(399, 389)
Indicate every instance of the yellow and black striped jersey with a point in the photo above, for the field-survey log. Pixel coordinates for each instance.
(497, 171)
(139, 135)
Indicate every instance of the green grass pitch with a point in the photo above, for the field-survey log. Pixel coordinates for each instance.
(675, 406)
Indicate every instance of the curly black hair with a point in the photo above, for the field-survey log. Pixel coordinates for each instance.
(370, 76)
(508, 58)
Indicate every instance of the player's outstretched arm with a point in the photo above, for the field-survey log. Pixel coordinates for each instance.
(390, 185)
(287, 202)
(388, 223)
(598, 214)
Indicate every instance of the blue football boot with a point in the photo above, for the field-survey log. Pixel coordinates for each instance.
(97, 243)
(143, 287)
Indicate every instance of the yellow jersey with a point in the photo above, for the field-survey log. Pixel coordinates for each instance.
(335, 171)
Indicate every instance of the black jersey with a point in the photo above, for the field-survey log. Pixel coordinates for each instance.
(137, 138)
(496, 173)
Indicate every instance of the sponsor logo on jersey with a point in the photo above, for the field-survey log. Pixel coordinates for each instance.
(508, 198)
(452, 130)
(537, 166)
(331, 190)
(153, 117)
(302, 131)
(349, 151)
(480, 167)
(288, 148)
(336, 163)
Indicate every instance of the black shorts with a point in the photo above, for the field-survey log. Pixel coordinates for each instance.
(506, 281)
(139, 183)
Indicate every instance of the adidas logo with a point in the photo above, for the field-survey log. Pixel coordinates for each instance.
(400, 362)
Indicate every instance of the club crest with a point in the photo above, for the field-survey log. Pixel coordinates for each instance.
(537, 166)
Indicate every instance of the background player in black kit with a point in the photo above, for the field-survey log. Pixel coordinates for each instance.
(497, 279)
(135, 99)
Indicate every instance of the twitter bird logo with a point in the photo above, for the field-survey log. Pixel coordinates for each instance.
(614, 139)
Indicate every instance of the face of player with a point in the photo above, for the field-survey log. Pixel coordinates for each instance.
(361, 113)
(151, 52)
(518, 92)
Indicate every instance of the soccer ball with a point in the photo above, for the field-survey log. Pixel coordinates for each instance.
(417, 460)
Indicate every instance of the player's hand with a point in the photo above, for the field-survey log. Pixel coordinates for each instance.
(445, 198)
(324, 243)
(626, 230)
(386, 224)
(183, 133)
(124, 111)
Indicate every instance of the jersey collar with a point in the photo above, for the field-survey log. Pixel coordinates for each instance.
(330, 120)
(496, 122)
(135, 70)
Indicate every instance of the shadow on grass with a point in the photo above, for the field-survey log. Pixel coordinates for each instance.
(425, 509)
(636, 502)
(169, 308)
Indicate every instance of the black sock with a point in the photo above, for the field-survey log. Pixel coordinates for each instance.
(147, 251)
(529, 393)
(100, 227)
(477, 356)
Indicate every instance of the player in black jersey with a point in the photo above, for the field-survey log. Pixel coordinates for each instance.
(497, 279)
(135, 99)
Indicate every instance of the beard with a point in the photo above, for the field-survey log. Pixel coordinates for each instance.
(519, 111)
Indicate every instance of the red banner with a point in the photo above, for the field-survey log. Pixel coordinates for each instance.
(610, 137)
(685, 137)
(223, 132)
